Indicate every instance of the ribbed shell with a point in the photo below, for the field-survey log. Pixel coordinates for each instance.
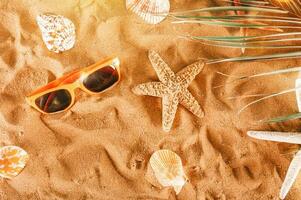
(151, 11)
(168, 169)
(12, 161)
(58, 32)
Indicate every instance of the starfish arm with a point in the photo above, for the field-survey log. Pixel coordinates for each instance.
(288, 137)
(170, 105)
(155, 89)
(291, 175)
(190, 103)
(162, 69)
(186, 75)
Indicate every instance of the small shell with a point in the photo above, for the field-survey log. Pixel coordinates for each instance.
(12, 161)
(298, 93)
(151, 11)
(58, 32)
(168, 169)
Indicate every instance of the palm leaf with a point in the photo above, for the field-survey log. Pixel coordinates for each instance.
(279, 56)
(267, 97)
(231, 8)
(293, 6)
(251, 3)
(266, 15)
(246, 45)
(284, 118)
(237, 24)
(231, 17)
(254, 2)
(247, 38)
(264, 21)
(239, 78)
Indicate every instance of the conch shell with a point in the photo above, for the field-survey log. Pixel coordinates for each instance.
(58, 32)
(151, 11)
(12, 161)
(168, 169)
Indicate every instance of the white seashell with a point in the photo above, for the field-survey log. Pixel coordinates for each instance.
(168, 169)
(12, 161)
(151, 11)
(58, 32)
(298, 93)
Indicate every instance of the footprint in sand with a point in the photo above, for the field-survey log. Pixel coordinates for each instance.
(139, 155)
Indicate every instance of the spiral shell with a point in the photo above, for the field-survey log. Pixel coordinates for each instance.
(12, 161)
(168, 169)
(58, 32)
(151, 11)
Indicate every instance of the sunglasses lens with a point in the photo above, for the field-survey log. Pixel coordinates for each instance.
(54, 101)
(101, 79)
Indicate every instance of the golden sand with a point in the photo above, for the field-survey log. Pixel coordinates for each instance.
(100, 149)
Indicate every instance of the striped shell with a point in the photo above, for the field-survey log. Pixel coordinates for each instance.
(168, 169)
(12, 161)
(58, 32)
(151, 11)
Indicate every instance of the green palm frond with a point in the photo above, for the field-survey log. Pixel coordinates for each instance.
(284, 118)
(232, 8)
(275, 56)
(266, 15)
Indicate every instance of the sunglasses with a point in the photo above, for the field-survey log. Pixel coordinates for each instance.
(59, 94)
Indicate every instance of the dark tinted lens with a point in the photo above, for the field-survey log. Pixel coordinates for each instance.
(101, 79)
(54, 101)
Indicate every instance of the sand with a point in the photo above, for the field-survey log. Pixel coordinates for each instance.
(101, 147)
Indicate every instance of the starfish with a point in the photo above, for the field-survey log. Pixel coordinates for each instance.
(287, 137)
(295, 166)
(172, 88)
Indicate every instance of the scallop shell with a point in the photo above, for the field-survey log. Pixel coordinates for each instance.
(58, 32)
(12, 161)
(151, 11)
(168, 169)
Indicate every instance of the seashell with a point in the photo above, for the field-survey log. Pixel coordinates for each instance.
(168, 169)
(151, 11)
(298, 92)
(12, 161)
(58, 32)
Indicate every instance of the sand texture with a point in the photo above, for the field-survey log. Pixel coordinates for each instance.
(101, 147)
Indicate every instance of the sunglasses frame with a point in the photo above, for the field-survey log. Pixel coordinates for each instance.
(73, 81)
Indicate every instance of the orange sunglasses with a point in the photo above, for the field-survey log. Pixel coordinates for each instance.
(59, 94)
